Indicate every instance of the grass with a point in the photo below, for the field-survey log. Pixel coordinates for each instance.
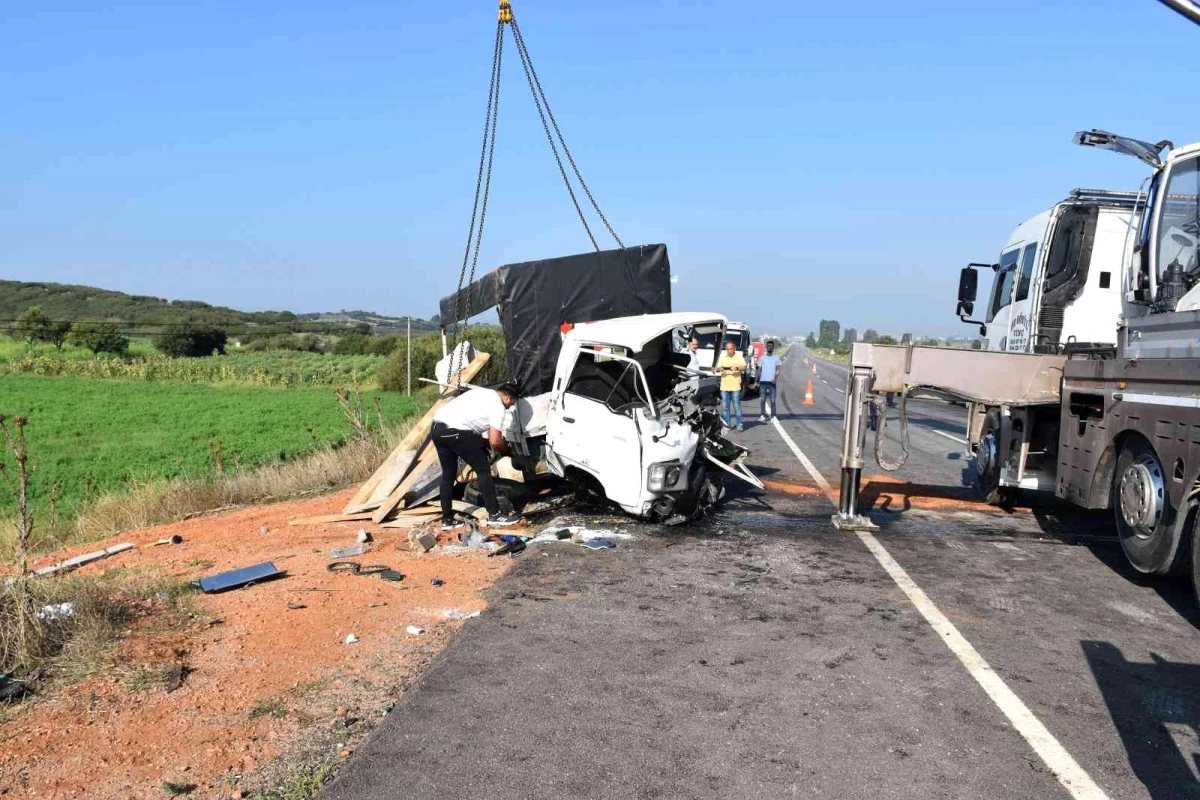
(271, 707)
(305, 783)
(173, 789)
(89, 439)
(70, 646)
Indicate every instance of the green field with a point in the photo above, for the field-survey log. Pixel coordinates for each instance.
(92, 437)
(268, 368)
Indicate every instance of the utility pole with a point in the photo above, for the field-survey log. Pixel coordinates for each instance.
(409, 318)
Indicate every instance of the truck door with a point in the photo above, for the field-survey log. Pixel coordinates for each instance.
(594, 427)
(1000, 306)
(1021, 316)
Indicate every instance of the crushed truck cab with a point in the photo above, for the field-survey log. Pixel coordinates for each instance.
(627, 418)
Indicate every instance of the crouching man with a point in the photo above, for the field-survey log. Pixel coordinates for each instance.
(468, 427)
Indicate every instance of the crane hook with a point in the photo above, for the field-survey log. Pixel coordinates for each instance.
(505, 11)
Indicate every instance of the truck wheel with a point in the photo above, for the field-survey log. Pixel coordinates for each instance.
(1144, 517)
(987, 464)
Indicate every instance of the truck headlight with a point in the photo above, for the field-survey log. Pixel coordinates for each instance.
(664, 476)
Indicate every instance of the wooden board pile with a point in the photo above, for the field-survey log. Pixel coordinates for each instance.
(403, 492)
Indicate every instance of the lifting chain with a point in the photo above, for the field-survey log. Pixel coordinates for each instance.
(483, 180)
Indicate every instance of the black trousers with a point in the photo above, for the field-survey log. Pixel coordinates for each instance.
(452, 445)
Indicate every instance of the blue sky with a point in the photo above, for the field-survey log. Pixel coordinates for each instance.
(801, 160)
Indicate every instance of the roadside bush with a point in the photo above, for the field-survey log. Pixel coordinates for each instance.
(352, 344)
(427, 351)
(99, 337)
(192, 342)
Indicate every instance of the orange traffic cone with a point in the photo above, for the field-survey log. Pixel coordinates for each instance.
(808, 395)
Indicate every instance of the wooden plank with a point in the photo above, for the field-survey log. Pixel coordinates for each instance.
(412, 441)
(410, 522)
(328, 518)
(428, 460)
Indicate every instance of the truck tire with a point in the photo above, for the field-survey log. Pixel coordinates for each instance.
(511, 496)
(987, 465)
(1143, 513)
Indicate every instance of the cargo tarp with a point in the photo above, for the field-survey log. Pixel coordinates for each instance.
(535, 298)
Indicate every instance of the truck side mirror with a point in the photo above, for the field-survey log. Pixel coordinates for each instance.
(968, 288)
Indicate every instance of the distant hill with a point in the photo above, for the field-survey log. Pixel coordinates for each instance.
(70, 302)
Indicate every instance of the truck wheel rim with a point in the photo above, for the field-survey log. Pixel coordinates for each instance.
(1142, 495)
(987, 454)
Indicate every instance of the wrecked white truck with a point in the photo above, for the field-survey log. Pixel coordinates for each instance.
(620, 414)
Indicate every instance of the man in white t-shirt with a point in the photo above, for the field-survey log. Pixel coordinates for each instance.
(466, 428)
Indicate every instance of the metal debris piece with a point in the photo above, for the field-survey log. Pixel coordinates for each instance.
(421, 542)
(347, 552)
(296, 606)
(438, 582)
(176, 539)
(362, 536)
(235, 578)
(86, 558)
(415, 630)
(351, 639)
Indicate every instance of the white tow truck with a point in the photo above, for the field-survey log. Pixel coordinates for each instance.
(1110, 422)
(1056, 279)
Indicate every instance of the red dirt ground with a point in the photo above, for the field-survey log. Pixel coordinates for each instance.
(102, 739)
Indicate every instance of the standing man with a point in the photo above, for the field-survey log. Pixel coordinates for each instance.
(768, 369)
(730, 367)
(467, 427)
(693, 351)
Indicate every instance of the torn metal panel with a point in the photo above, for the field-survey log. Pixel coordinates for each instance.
(239, 577)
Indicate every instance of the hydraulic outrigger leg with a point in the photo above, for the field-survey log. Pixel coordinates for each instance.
(854, 438)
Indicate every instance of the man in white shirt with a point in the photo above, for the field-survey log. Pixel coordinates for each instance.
(466, 428)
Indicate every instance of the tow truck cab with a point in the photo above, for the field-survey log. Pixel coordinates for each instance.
(1058, 279)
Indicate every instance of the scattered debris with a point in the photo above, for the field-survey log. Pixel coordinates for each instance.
(324, 519)
(56, 611)
(599, 543)
(391, 575)
(235, 578)
(376, 605)
(346, 552)
(438, 582)
(512, 545)
(86, 558)
(176, 539)
(351, 639)
(455, 614)
(11, 689)
(263, 530)
(415, 630)
(362, 536)
(295, 606)
(175, 676)
(421, 542)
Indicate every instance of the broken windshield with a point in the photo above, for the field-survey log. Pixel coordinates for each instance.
(606, 379)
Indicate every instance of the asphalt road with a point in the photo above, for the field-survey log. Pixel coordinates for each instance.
(763, 654)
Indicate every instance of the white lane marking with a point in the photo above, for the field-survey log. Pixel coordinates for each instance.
(836, 389)
(1065, 768)
(948, 436)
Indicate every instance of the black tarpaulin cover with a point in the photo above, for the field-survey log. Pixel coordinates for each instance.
(535, 298)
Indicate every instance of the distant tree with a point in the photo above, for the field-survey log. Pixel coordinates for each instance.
(436, 319)
(851, 335)
(352, 344)
(287, 316)
(929, 341)
(57, 332)
(810, 341)
(829, 333)
(32, 326)
(362, 328)
(99, 337)
(977, 344)
(192, 341)
(885, 339)
(870, 336)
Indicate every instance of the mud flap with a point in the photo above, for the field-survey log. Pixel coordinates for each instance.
(731, 458)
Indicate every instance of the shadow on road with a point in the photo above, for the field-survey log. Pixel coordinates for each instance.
(1143, 699)
(1175, 591)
